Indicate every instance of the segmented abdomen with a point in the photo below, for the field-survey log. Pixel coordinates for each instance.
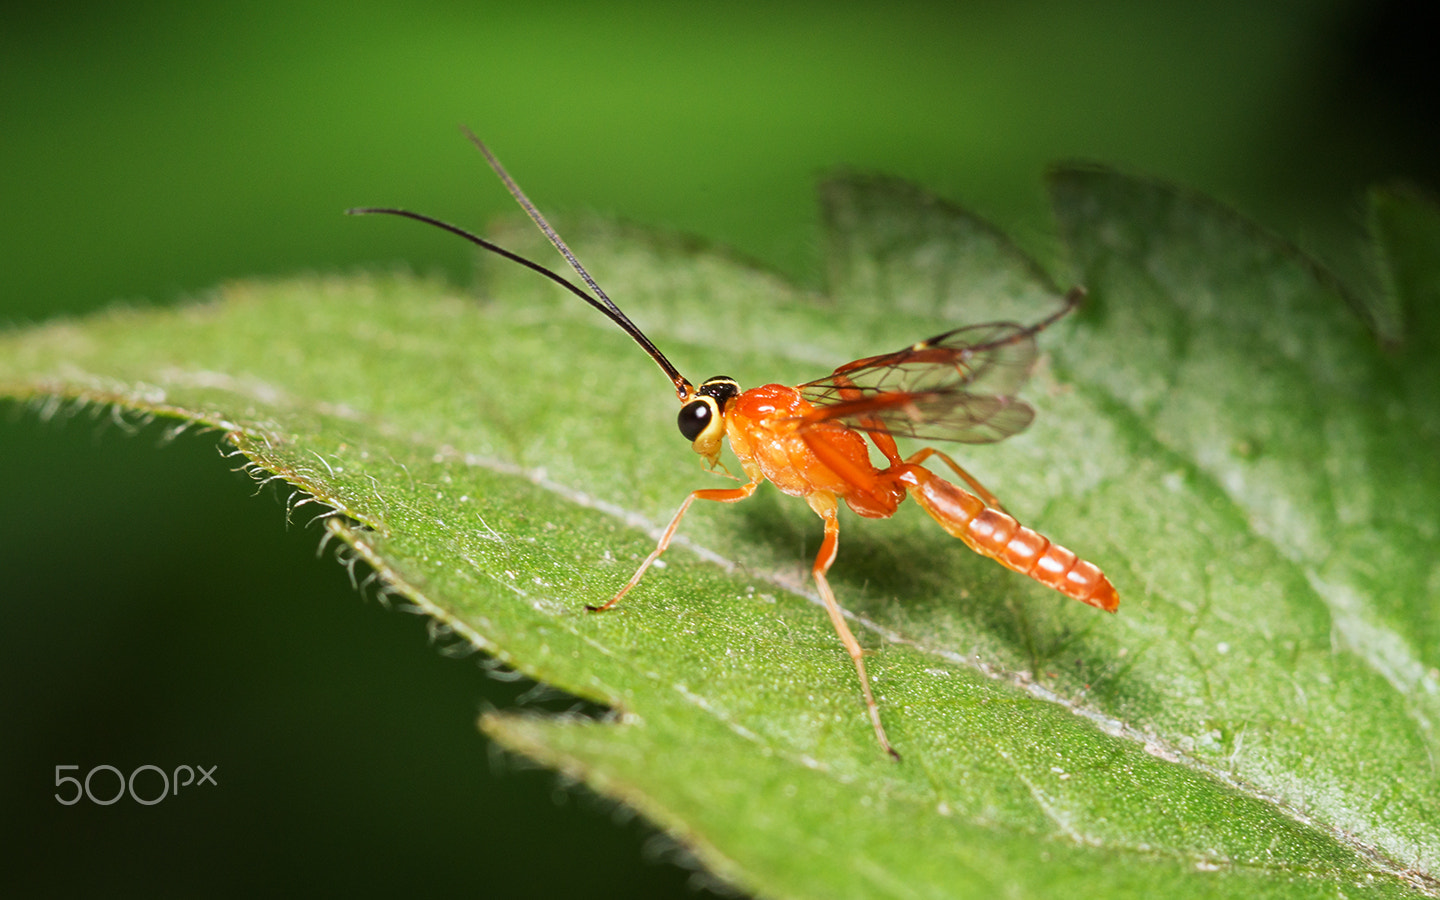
(992, 533)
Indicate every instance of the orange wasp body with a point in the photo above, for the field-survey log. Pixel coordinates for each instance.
(809, 440)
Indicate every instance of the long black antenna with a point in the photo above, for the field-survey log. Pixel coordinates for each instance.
(683, 388)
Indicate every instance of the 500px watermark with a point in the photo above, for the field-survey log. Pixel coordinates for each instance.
(145, 795)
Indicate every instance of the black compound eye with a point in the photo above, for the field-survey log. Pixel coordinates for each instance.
(695, 417)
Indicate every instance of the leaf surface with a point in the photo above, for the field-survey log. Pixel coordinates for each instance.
(1216, 429)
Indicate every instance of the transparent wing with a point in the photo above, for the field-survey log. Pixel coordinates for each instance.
(957, 386)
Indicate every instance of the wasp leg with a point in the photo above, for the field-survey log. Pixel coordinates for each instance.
(985, 496)
(823, 561)
(722, 495)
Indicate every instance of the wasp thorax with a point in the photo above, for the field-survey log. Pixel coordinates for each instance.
(702, 418)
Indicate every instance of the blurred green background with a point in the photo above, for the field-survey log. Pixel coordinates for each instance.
(154, 613)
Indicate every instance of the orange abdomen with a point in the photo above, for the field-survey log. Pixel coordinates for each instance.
(992, 533)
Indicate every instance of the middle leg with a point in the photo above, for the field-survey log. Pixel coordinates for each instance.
(823, 561)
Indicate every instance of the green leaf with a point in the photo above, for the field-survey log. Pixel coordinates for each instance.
(1216, 429)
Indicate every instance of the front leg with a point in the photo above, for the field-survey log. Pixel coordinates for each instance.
(721, 495)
